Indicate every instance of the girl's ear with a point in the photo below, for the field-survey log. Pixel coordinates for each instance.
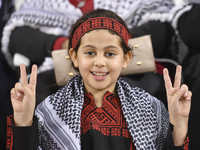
(73, 56)
(127, 59)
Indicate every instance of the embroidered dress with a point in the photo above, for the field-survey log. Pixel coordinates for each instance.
(104, 127)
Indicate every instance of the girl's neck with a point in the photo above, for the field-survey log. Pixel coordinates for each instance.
(98, 96)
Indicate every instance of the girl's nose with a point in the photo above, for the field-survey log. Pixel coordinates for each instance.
(99, 61)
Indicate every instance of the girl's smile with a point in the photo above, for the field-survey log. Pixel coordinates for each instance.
(99, 76)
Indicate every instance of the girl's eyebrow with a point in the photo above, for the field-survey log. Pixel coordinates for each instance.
(107, 47)
(111, 46)
(90, 46)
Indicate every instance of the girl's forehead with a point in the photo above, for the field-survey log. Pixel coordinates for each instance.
(98, 33)
(101, 37)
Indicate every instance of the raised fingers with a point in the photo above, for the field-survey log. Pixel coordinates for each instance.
(168, 83)
(23, 74)
(177, 80)
(33, 78)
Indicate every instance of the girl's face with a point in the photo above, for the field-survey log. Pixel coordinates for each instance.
(100, 59)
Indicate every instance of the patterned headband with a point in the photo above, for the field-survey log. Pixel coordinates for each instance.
(99, 23)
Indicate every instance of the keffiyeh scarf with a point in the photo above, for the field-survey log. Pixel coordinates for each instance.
(60, 117)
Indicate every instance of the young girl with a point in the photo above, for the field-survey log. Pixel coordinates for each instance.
(96, 109)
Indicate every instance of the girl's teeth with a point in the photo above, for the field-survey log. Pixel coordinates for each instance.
(99, 74)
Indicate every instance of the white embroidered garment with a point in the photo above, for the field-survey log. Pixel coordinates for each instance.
(60, 117)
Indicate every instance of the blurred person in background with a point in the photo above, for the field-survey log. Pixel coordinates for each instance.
(8, 77)
(184, 18)
(188, 33)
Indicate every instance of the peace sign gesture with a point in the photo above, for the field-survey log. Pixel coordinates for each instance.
(23, 97)
(179, 102)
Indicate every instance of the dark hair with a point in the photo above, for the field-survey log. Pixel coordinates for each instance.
(99, 13)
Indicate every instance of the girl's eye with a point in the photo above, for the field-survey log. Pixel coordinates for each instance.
(90, 53)
(110, 54)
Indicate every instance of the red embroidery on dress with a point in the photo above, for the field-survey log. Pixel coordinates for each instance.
(99, 23)
(108, 119)
(9, 134)
(186, 143)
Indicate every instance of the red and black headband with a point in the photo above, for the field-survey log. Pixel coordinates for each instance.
(99, 23)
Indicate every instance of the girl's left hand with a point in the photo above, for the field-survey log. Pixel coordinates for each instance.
(179, 103)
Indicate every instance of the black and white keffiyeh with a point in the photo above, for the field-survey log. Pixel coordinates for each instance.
(57, 16)
(131, 11)
(60, 117)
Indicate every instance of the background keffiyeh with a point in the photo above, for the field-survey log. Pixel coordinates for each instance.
(56, 16)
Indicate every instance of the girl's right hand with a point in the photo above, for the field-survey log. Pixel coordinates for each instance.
(23, 97)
